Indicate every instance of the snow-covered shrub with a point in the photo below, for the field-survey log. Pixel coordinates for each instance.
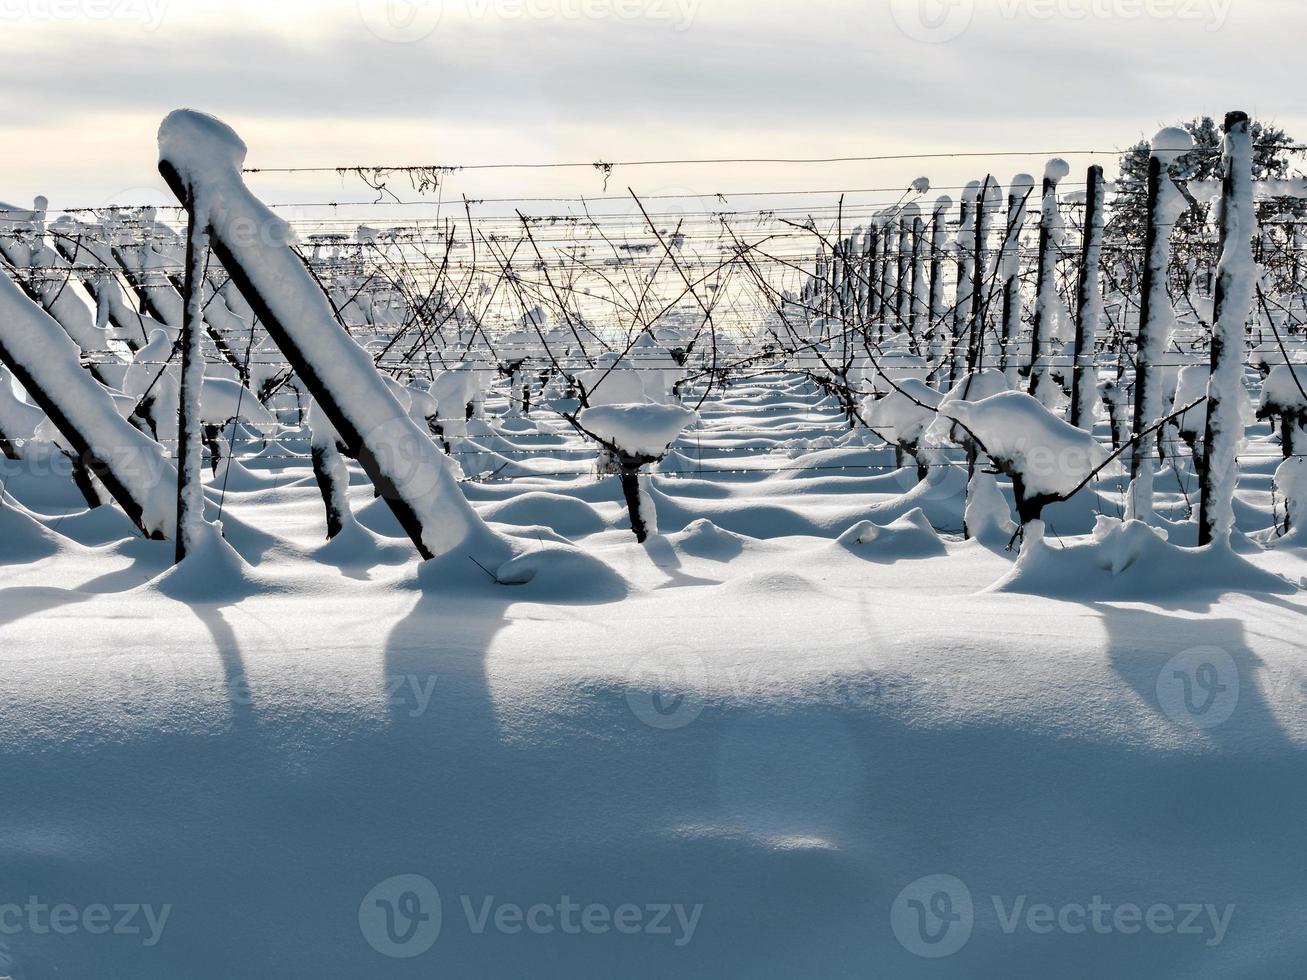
(1047, 458)
(1284, 398)
(634, 436)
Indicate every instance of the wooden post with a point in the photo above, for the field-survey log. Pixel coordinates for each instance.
(962, 295)
(1041, 343)
(918, 283)
(1146, 374)
(874, 283)
(1234, 302)
(903, 286)
(1018, 200)
(935, 329)
(1089, 305)
(190, 435)
(975, 355)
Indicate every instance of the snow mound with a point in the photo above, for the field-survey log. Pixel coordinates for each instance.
(25, 538)
(561, 573)
(911, 536)
(213, 573)
(704, 539)
(566, 515)
(638, 429)
(1130, 561)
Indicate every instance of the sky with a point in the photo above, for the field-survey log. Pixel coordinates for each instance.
(349, 82)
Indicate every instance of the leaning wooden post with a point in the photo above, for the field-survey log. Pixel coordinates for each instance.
(190, 483)
(1235, 281)
(1089, 305)
(1041, 332)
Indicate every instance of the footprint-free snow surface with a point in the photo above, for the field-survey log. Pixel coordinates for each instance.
(806, 730)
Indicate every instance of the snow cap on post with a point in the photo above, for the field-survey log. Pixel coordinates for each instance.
(197, 144)
(1057, 170)
(1170, 144)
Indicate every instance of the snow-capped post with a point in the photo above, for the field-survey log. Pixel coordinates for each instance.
(935, 327)
(1042, 385)
(962, 295)
(918, 283)
(1089, 305)
(190, 456)
(903, 287)
(1166, 204)
(874, 283)
(975, 347)
(1018, 200)
(1235, 283)
(200, 153)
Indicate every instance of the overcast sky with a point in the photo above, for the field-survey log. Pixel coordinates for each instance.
(338, 82)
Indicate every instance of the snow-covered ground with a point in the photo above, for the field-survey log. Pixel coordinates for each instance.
(800, 733)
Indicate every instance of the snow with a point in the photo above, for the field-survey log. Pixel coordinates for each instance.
(1237, 272)
(1052, 456)
(1283, 390)
(48, 364)
(826, 695)
(791, 705)
(646, 430)
(207, 156)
